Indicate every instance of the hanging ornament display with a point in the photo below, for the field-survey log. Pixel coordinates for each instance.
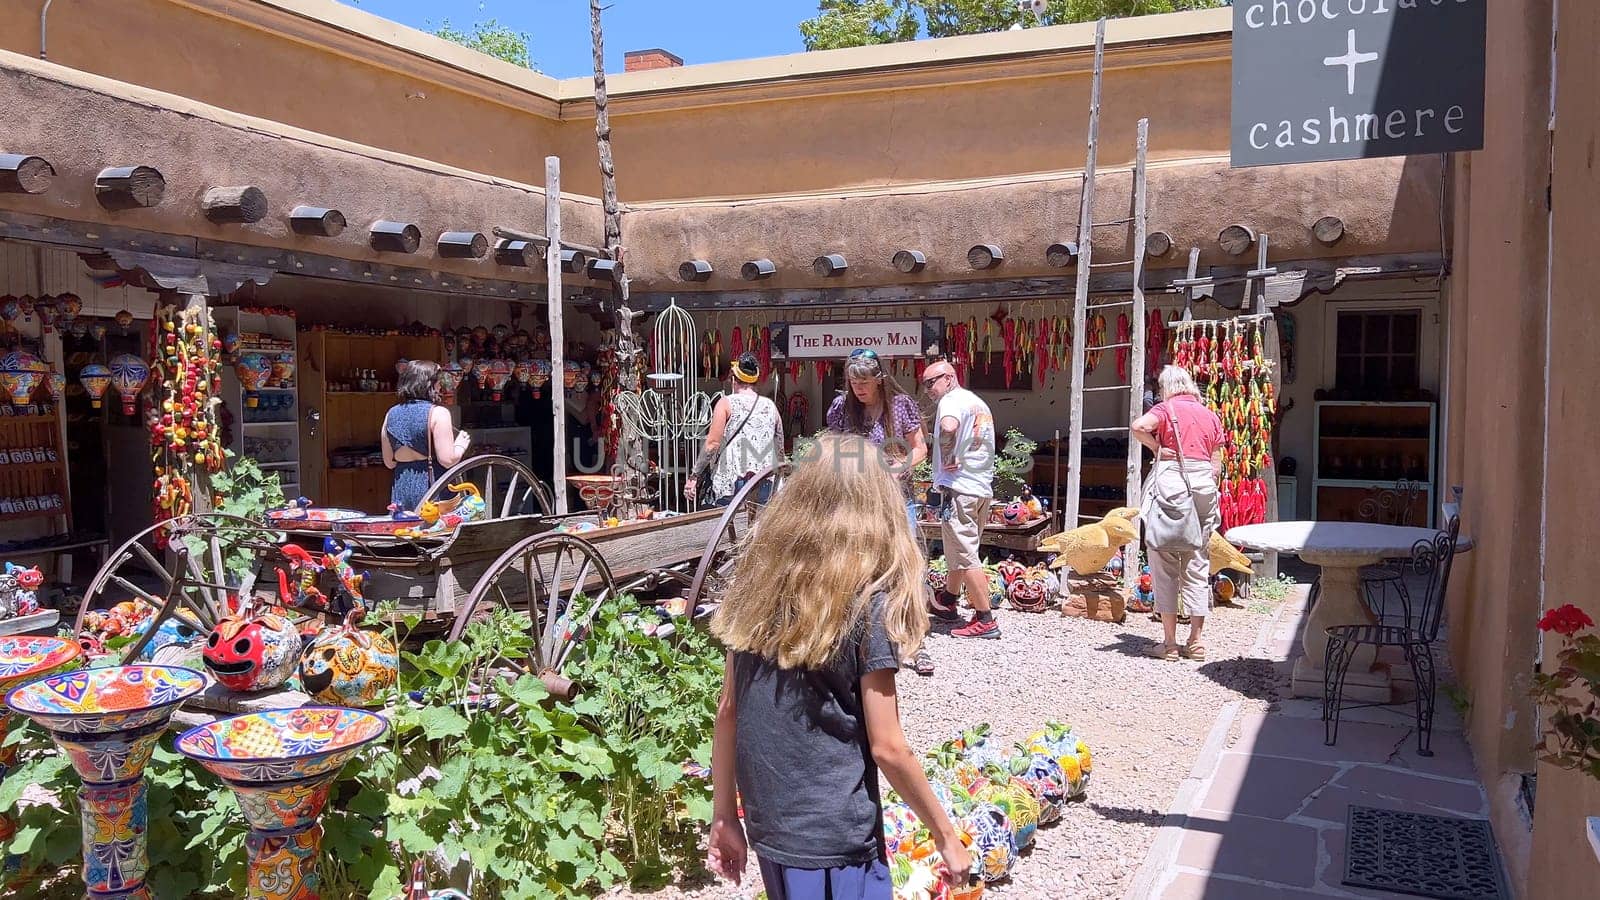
(128, 375)
(449, 381)
(1229, 362)
(539, 372)
(57, 383)
(124, 320)
(96, 379)
(499, 372)
(185, 436)
(253, 370)
(19, 385)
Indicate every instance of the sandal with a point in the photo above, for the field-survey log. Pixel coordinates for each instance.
(1193, 651)
(1165, 652)
(922, 664)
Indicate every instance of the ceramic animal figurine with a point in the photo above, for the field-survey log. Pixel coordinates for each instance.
(298, 587)
(1015, 513)
(28, 581)
(336, 557)
(346, 666)
(252, 651)
(8, 596)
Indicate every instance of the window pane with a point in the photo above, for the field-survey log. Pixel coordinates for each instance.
(1375, 372)
(1407, 327)
(1375, 332)
(1349, 339)
(1347, 373)
(1403, 372)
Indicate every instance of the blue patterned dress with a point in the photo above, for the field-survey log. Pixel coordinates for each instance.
(407, 426)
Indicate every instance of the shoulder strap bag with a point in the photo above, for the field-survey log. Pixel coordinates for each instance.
(707, 464)
(1173, 524)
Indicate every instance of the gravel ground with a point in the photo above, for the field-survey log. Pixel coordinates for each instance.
(1145, 721)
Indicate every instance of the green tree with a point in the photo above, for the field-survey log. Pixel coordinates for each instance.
(857, 23)
(854, 23)
(492, 38)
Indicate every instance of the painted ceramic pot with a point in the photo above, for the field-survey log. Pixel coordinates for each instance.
(107, 722)
(994, 842)
(916, 880)
(181, 630)
(1014, 513)
(347, 666)
(1021, 807)
(22, 659)
(899, 823)
(281, 766)
(1010, 570)
(253, 652)
(938, 574)
(1048, 782)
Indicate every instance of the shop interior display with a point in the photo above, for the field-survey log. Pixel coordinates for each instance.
(33, 482)
(1363, 446)
(345, 387)
(260, 388)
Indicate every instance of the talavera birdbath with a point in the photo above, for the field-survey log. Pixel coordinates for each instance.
(22, 659)
(107, 721)
(280, 765)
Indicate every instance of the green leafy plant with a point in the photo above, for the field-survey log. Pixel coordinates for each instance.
(492, 38)
(244, 490)
(1571, 694)
(857, 23)
(1013, 463)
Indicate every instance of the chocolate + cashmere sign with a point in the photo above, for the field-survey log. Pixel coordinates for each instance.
(1352, 79)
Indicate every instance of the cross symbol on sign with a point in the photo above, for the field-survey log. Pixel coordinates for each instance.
(1350, 60)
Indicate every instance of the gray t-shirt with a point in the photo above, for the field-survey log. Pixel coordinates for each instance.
(806, 775)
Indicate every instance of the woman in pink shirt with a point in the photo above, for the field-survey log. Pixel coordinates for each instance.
(1182, 576)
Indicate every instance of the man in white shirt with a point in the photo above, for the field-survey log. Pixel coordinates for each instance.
(963, 471)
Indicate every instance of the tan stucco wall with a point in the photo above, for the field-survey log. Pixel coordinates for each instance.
(863, 116)
(1560, 863)
(260, 64)
(197, 147)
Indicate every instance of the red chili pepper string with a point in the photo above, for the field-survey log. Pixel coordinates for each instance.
(1124, 336)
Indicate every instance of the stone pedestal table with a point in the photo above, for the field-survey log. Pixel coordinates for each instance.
(1339, 549)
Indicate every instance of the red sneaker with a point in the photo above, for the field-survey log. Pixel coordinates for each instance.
(977, 629)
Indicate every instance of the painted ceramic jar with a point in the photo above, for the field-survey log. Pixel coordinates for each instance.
(994, 842)
(916, 880)
(253, 652)
(1045, 778)
(1021, 807)
(899, 823)
(346, 666)
(938, 574)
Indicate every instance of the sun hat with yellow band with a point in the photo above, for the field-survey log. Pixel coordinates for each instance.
(748, 369)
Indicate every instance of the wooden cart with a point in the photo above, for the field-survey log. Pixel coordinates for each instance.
(520, 557)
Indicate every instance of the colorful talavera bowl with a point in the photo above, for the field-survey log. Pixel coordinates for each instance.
(99, 701)
(24, 658)
(282, 744)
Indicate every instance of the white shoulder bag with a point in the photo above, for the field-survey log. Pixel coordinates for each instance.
(1173, 524)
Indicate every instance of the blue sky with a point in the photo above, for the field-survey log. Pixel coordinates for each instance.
(698, 30)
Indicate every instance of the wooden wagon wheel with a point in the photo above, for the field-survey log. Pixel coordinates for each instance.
(717, 562)
(556, 583)
(193, 577)
(522, 492)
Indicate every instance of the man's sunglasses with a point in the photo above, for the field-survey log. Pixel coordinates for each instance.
(931, 380)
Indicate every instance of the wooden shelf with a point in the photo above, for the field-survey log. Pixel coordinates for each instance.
(332, 394)
(29, 468)
(38, 514)
(26, 420)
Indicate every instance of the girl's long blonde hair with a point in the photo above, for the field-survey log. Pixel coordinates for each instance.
(835, 536)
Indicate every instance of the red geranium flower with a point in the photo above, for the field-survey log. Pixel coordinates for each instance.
(1565, 620)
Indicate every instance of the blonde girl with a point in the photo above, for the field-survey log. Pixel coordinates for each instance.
(824, 603)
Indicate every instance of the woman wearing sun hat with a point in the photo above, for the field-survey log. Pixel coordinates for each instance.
(746, 437)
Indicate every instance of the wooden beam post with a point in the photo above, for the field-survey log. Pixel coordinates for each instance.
(558, 388)
(1269, 328)
(1130, 557)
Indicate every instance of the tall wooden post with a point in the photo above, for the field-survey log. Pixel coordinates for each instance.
(1130, 556)
(1080, 299)
(558, 340)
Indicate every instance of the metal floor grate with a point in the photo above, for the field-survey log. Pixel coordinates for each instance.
(1429, 856)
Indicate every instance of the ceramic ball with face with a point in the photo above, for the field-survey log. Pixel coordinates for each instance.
(345, 666)
(252, 652)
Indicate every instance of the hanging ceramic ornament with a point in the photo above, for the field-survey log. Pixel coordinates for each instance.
(58, 386)
(49, 312)
(253, 370)
(540, 376)
(124, 320)
(449, 381)
(128, 375)
(230, 345)
(499, 374)
(9, 310)
(97, 331)
(19, 385)
(95, 379)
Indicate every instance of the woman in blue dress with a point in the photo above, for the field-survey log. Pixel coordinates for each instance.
(418, 439)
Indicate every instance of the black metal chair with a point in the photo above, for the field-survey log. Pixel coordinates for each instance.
(1388, 506)
(1431, 559)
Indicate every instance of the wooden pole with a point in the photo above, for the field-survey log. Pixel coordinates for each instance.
(631, 462)
(1080, 299)
(1130, 556)
(1268, 326)
(558, 388)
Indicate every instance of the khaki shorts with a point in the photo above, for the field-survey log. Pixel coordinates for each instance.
(962, 528)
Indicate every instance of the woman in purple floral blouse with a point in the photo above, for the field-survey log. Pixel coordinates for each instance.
(878, 409)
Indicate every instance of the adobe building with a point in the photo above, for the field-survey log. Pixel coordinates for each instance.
(1436, 278)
